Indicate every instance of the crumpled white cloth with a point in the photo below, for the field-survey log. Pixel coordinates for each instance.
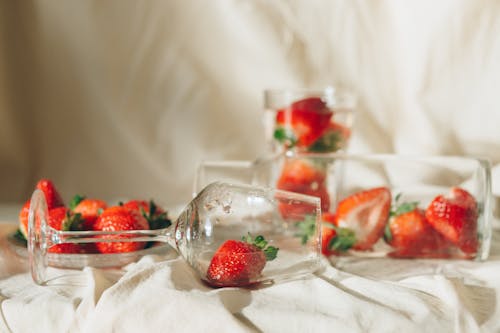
(162, 293)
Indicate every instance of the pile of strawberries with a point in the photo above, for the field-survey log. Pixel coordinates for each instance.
(447, 227)
(308, 125)
(95, 214)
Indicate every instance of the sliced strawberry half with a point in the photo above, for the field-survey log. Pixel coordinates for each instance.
(303, 122)
(455, 217)
(366, 213)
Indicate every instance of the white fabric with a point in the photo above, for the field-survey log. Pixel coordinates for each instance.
(125, 98)
(162, 293)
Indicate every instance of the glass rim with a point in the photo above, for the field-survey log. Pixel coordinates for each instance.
(335, 95)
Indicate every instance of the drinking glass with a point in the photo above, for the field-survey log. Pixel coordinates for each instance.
(220, 212)
(447, 199)
(307, 120)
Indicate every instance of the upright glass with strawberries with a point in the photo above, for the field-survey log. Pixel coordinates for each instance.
(308, 120)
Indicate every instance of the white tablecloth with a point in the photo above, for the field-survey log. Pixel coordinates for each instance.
(160, 293)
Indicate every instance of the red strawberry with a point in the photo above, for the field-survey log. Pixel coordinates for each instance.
(411, 235)
(302, 176)
(455, 217)
(52, 197)
(156, 216)
(23, 219)
(307, 119)
(61, 218)
(335, 240)
(366, 214)
(239, 263)
(119, 218)
(334, 138)
(90, 209)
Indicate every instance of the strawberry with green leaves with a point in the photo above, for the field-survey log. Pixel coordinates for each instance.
(455, 217)
(303, 176)
(61, 218)
(302, 123)
(89, 209)
(410, 234)
(119, 218)
(240, 263)
(366, 214)
(156, 216)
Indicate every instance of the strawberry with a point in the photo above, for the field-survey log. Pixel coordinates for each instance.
(156, 216)
(366, 214)
(303, 122)
(411, 235)
(52, 197)
(335, 240)
(23, 219)
(302, 176)
(61, 218)
(455, 217)
(119, 218)
(239, 263)
(90, 209)
(334, 138)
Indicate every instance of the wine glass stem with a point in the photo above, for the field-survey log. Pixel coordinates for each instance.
(157, 235)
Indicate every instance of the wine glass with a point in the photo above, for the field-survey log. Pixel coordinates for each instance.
(221, 213)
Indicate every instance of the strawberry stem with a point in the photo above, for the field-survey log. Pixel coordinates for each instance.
(328, 142)
(343, 241)
(285, 136)
(270, 252)
(307, 228)
(75, 201)
(401, 208)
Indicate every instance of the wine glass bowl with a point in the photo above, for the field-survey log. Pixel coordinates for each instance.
(220, 212)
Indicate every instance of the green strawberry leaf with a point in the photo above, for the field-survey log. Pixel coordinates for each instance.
(328, 142)
(402, 208)
(344, 239)
(285, 136)
(18, 235)
(75, 201)
(270, 252)
(307, 228)
(387, 233)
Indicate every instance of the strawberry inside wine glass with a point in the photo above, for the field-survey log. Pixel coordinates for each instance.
(231, 235)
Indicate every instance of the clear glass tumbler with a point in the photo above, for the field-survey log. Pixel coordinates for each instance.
(382, 205)
(305, 120)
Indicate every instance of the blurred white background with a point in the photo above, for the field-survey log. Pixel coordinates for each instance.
(125, 98)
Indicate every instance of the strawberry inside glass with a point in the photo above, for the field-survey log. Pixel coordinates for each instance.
(310, 125)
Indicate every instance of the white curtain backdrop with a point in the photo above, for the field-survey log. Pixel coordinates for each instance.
(125, 98)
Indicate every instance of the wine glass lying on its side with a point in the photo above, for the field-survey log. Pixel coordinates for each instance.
(231, 235)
